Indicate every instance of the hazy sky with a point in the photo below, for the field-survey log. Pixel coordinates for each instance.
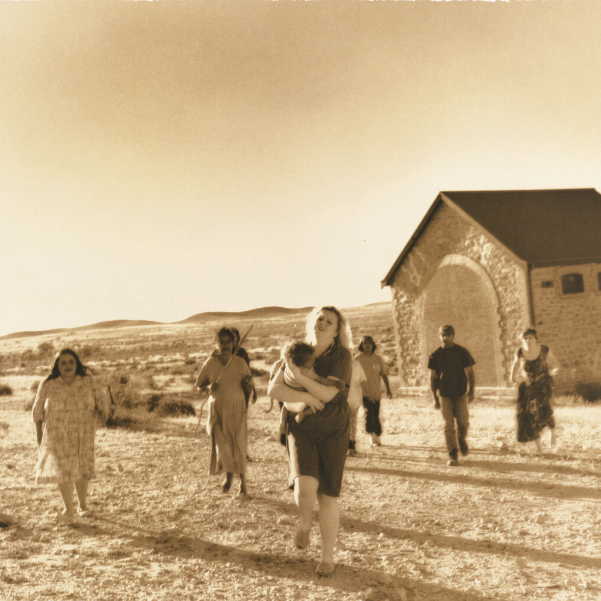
(163, 159)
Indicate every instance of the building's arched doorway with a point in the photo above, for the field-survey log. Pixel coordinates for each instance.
(460, 296)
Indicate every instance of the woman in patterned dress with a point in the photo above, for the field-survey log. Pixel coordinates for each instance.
(230, 382)
(533, 366)
(64, 414)
(319, 444)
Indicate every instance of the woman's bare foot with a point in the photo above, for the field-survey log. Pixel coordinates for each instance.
(301, 539)
(324, 568)
(227, 483)
(243, 490)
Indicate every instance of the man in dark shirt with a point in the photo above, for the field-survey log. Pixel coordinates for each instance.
(451, 371)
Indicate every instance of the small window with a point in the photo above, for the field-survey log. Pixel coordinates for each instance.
(572, 283)
(551, 283)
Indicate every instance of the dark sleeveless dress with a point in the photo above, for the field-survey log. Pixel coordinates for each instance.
(534, 397)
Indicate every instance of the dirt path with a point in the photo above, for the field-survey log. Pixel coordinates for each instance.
(501, 526)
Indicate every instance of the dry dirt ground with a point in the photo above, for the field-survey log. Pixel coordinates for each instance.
(503, 525)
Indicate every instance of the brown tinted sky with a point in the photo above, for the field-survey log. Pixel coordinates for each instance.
(162, 159)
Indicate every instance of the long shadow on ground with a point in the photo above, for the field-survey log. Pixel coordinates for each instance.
(457, 542)
(548, 463)
(345, 578)
(559, 491)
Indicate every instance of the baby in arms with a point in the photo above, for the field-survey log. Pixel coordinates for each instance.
(302, 355)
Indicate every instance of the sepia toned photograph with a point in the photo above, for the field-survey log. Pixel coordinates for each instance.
(301, 300)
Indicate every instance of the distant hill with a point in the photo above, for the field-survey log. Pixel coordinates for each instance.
(262, 313)
(101, 325)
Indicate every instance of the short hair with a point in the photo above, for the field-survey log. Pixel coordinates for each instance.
(449, 330)
(345, 338)
(227, 332)
(298, 352)
(80, 368)
(529, 332)
(367, 339)
(236, 334)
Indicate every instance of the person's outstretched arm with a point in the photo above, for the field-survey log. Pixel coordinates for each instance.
(552, 363)
(515, 368)
(387, 384)
(433, 383)
(471, 378)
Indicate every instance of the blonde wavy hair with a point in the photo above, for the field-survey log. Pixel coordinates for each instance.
(345, 338)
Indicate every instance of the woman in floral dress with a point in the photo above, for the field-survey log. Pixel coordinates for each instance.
(64, 413)
(533, 367)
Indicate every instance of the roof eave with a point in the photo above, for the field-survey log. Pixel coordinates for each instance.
(420, 228)
(565, 262)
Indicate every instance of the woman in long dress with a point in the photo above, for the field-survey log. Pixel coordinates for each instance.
(318, 445)
(64, 411)
(533, 367)
(230, 382)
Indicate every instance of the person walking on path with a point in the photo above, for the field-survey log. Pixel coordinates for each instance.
(533, 367)
(451, 372)
(375, 369)
(230, 384)
(64, 413)
(319, 444)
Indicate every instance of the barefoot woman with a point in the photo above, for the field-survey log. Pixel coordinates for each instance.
(64, 414)
(318, 445)
(230, 381)
(533, 367)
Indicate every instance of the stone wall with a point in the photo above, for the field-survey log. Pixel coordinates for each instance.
(570, 324)
(449, 242)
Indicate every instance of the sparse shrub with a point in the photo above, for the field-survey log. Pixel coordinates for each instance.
(27, 355)
(45, 349)
(127, 404)
(590, 392)
(5, 390)
(190, 361)
(175, 407)
(153, 401)
(87, 350)
(257, 372)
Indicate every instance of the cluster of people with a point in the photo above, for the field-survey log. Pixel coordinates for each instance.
(452, 382)
(320, 387)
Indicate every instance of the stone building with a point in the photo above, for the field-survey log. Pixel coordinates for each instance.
(492, 264)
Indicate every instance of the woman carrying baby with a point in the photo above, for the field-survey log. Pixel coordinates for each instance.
(318, 444)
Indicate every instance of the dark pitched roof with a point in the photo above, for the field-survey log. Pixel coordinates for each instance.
(539, 227)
